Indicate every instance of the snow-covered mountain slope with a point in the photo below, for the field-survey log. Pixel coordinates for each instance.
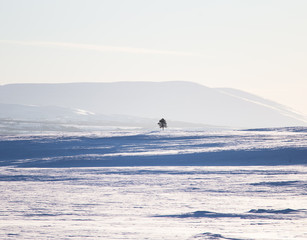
(18, 118)
(180, 101)
(286, 111)
(34, 112)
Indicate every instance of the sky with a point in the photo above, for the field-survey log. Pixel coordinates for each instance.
(257, 46)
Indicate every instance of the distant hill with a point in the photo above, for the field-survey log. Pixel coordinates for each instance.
(18, 118)
(179, 101)
(41, 113)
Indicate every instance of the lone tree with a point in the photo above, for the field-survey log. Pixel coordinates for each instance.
(162, 123)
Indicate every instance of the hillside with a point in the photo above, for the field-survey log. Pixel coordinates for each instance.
(180, 101)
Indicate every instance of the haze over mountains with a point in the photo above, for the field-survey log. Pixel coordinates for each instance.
(146, 101)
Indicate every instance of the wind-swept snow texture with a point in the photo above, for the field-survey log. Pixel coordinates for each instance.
(157, 203)
(139, 184)
(157, 148)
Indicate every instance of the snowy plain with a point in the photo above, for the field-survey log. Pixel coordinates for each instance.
(145, 184)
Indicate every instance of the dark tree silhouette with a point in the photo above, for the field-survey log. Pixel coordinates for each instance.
(162, 123)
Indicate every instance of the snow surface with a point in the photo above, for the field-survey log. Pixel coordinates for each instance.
(153, 203)
(131, 147)
(143, 184)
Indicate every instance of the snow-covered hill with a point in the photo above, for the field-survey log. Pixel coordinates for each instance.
(180, 101)
(18, 118)
(34, 112)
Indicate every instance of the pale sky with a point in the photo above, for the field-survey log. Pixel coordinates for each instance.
(259, 46)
